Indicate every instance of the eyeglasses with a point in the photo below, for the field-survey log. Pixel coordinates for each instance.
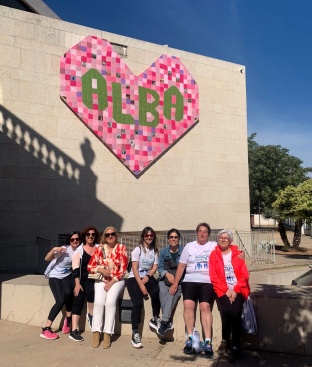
(90, 234)
(224, 239)
(74, 239)
(149, 235)
(173, 237)
(113, 234)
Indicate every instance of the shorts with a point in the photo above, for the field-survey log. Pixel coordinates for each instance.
(201, 292)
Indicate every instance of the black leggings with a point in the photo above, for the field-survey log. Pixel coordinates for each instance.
(136, 296)
(231, 316)
(88, 291)
(63, 294)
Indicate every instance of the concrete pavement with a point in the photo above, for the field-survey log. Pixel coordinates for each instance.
(21, 346)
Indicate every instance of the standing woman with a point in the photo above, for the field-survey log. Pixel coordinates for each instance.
(229, 277)
(110, 261)
(84, 287)
(168, 262)
(60, 282)
(141, 282)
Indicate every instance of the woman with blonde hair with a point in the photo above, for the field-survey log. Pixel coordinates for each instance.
(109, 264)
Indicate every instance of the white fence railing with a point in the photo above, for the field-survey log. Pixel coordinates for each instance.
(259, 245)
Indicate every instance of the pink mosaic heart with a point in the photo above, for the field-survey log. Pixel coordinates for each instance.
(137, 117)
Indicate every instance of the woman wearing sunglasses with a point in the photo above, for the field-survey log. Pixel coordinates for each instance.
(84, 287)
(168, 262)
(110, 262)
(141, 282)
(60, 282)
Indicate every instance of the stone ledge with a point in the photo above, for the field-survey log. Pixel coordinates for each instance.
(284, 314)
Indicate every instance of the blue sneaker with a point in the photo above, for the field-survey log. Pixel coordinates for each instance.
(188, 349)
(208, 350)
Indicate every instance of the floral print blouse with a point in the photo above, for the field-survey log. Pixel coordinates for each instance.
(116, 260)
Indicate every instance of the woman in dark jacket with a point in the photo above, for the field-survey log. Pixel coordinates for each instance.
(168, 262)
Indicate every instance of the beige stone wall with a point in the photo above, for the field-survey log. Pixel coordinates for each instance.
(55, 175)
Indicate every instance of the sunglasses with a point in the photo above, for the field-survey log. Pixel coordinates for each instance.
(74, 239)
(173, 237)
(113, 234)
(149, 235)
(90, 234)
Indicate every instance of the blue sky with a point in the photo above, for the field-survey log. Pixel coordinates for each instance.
(272, 38)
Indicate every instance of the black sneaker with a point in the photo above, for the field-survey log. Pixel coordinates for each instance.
(136, 340)
(75, 336)
(164, 327)
(235, 355)
(208, 350)
(188, 349)
(155, 323)
(90, 318)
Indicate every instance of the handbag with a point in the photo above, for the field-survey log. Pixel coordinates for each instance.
(171, 268)
(98, 276)
(249, 321)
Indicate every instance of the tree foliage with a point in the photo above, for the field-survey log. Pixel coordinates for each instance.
(295, 203)
(271, 169)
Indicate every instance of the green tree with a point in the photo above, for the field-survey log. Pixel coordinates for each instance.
(272, 169)
(295, 203)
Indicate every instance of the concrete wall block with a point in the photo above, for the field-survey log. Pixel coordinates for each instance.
(37, 62)
(24, 30)
(7, 24)
(28, 92)
(284, 318)
(46, 34)
(10, 56)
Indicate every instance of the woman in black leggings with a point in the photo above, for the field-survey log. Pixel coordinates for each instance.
(83, 287)
(141, 282)
(60, 282)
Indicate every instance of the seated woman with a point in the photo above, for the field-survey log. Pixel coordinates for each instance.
(141, 282)
(110, 262)
(60, 281)
(168, 262)
(229, 277)
(84, 287)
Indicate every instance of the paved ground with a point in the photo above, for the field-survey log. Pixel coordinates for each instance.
(21, 345)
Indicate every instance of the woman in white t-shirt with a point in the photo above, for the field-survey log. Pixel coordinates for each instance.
(197, 287)
(59, 273)
(141, 282)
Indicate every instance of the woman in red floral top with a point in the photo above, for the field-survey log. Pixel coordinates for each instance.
(110, 261)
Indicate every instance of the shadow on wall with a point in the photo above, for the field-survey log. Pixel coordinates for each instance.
(43, 193)
(284, 315)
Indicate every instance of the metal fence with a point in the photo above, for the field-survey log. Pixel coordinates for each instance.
(259, 245)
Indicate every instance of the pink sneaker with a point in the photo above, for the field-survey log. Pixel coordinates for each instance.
(66, 326)
(47, 333)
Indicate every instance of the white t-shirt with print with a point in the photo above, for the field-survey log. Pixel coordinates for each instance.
(146, 260)
(230, 276)
(196, 258)
(63, 265)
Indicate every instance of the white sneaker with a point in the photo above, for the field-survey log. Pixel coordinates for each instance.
(136, 340)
